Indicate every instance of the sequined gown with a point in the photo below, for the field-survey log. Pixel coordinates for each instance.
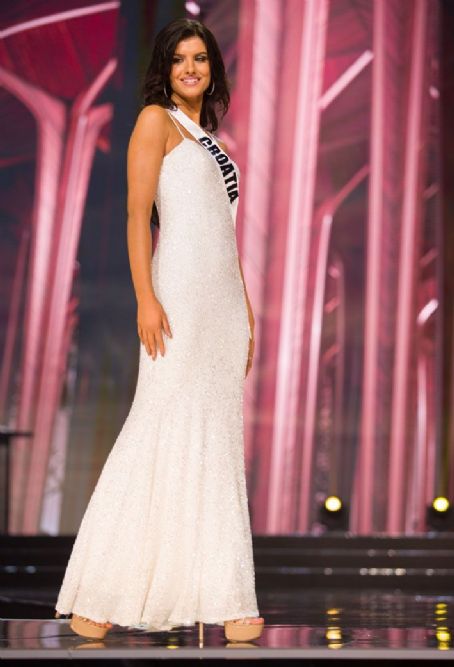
(165, 539)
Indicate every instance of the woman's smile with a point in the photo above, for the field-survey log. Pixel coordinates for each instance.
(191, 80)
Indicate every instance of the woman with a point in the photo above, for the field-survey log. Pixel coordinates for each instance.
(165, 540)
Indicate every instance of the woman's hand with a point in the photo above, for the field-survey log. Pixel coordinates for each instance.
(151, 320)
(250, 354)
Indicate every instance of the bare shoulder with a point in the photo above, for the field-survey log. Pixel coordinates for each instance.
(153, 113)
(152, 122)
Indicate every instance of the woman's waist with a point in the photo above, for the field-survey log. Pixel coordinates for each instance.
(191, 254)
(208, 227)
(186, 272)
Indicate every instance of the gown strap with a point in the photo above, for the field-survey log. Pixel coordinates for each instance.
(175, 123)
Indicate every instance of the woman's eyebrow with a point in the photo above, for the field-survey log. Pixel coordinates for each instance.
(197, 54)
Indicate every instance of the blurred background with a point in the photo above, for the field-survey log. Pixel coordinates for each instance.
(340, 123)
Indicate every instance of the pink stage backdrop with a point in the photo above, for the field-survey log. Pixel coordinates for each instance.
(334, 122)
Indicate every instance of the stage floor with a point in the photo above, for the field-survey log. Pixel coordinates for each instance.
(300, 624)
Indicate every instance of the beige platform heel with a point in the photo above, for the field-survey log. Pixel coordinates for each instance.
(85, 627)
(239, 631)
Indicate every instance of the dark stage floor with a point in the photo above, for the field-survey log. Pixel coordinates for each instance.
(300, 624)
(336, 597)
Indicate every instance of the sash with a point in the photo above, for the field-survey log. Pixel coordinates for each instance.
(230, 173)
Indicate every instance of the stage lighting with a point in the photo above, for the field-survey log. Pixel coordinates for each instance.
(333, 503)
(443, 636)
(439, 514)
(192, 8)
(440, 504)
(334, 514)
(334, 637)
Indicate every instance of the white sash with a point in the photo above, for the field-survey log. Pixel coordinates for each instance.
(230, 173)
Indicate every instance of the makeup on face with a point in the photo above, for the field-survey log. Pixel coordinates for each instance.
(190, 64)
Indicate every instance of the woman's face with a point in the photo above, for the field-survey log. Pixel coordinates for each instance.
(190, 73)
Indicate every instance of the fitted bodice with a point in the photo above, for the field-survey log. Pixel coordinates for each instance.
(190, 175)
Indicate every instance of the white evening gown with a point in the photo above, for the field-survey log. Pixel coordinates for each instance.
(166, 539)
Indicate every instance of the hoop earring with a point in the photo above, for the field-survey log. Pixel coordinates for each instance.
(165, 90)
(212, 89)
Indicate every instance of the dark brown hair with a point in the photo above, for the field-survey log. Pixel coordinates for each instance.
(157, 75)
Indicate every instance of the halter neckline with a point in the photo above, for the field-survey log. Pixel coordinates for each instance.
(189, 117)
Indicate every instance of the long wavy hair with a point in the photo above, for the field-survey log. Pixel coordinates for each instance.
(156, 87)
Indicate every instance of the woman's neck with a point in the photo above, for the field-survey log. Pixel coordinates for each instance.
(192, 110)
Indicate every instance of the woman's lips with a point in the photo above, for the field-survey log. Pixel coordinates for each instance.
(191, 81)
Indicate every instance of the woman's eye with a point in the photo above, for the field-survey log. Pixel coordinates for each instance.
(201, 58)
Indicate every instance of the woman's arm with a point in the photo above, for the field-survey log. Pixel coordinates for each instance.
(145, 154)
(249, 307)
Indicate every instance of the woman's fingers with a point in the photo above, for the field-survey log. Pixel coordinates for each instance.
(166, 325)
(152, 341)
(152, 322)
(150, 344)
(160, 342)
(143, 339)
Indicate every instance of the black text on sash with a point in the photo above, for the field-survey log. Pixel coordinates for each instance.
(225, 165)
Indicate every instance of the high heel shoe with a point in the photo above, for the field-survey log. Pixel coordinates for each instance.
(85, 627)
(239, 631)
